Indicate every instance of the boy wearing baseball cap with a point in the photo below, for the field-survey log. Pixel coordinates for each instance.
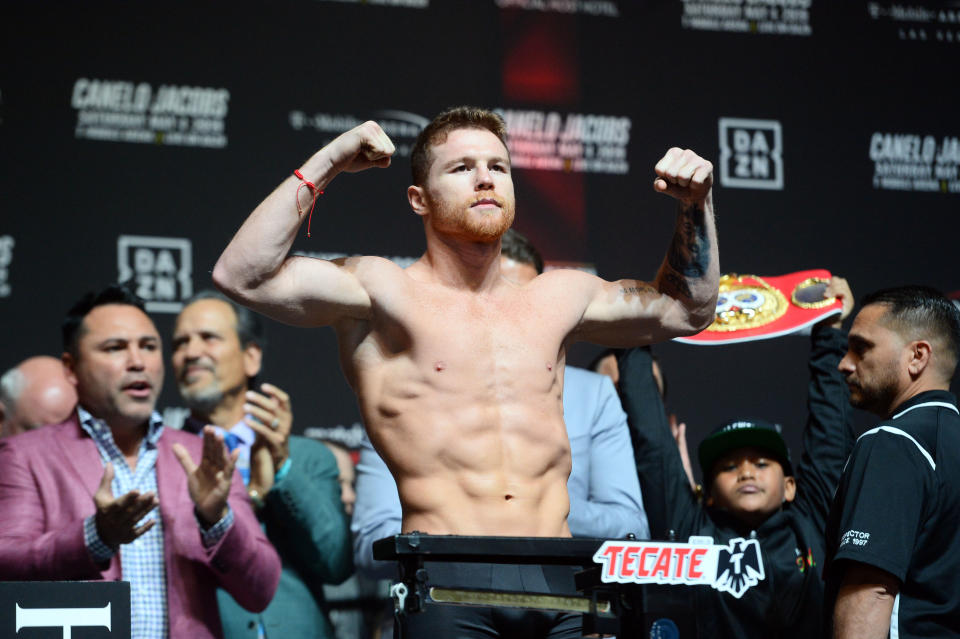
(746, 467)
(751, 490)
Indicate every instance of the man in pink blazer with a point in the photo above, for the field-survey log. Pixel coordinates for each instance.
(112, 494)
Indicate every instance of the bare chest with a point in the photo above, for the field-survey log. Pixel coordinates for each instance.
(512, 341)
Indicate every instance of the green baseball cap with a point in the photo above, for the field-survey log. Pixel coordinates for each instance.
(743, 433)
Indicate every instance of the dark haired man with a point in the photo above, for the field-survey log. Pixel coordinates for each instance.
(102, 495)
(291, 480)
(459, 372)
(894, 547)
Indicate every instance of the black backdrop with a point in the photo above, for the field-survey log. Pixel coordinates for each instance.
(135, 138)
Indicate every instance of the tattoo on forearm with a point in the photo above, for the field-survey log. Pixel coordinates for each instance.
(636, 290)
(679, 283)
(689, 252)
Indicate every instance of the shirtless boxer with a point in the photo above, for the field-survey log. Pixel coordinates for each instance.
(458, 371)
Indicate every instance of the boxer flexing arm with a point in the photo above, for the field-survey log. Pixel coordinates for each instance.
(255, 270)
(458, 371)
(682, 299)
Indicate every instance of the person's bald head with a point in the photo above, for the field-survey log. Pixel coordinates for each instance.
(34, 393)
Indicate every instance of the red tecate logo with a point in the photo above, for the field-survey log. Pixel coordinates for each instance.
(733, 568)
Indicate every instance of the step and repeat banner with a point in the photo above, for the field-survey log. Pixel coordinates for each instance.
(136, 137)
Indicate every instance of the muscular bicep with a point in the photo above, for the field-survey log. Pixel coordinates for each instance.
(628, 312)
(306, 291)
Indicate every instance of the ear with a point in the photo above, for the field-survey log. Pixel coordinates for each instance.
(789, 488)
(252, 360)
(416, 195)
(68, 365)
(918, 357)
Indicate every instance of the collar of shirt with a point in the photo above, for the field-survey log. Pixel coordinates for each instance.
(244, 433)
(939, 396)
(240, 430)
(100, 431)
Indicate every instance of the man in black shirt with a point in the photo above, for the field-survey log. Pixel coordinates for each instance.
(752, 491)
(893, 537)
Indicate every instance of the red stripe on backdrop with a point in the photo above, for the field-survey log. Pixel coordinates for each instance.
(541, 71)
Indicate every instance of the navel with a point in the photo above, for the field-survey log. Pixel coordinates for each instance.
(508, 497)
(549, 366)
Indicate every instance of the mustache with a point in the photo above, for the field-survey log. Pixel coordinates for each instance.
(194, 365)
(496, 199)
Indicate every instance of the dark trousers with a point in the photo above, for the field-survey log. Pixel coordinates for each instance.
(440, 621)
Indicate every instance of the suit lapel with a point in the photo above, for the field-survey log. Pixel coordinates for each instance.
(81, 454)
(171, 488)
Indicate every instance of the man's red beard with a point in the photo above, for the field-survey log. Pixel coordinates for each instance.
(459, 220)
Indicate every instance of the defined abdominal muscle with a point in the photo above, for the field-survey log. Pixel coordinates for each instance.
(479, 468)
(440, 506)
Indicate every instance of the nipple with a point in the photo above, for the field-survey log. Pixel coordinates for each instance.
(549, 366)
(439, 366)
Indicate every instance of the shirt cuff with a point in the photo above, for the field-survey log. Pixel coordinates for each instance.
(284, 470)
(100, 552)
(210, 536)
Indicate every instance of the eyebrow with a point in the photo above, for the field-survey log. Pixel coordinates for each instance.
(126, 340)
(466, 159)
(858, 340)
(199, 331)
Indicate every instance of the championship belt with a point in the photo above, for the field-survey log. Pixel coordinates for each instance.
(750, 307)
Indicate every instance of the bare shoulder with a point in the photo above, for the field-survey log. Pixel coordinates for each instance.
(373, 272)
(566, 278)
(573, 286)
(369, 268)
(358, 262)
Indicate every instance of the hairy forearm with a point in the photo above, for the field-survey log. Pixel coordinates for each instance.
(864, 603)
(862, 613)
(690, 272)
(258, 250)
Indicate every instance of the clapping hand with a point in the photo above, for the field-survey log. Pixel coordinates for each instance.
(270, 416)
(116, 518)
(209, 482)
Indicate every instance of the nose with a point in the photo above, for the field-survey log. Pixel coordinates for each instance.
(745, 470)
(483, 178)
(134, 358)
(192, 349)
(846, 364)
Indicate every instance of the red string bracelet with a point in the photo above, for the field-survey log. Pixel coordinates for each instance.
(313, 191)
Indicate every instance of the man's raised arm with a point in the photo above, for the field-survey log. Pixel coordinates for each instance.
(255, 269)
(682, 300)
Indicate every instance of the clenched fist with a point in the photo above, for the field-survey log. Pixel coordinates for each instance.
(684, 175)
(361, 148)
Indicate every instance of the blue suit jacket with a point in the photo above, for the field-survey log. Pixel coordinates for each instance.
(304, 520)
(603, 486)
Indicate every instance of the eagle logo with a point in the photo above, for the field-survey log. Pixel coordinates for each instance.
(739, 567)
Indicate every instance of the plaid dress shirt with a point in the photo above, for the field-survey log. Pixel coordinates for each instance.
(142, 560)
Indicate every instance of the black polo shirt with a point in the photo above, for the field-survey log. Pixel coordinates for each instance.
(898, 508)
